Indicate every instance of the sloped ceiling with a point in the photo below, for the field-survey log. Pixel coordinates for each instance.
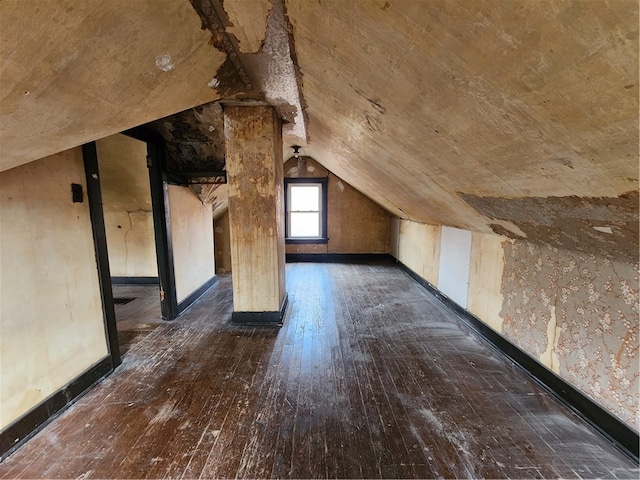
(518, 117)
(424, 105)
(74, 71)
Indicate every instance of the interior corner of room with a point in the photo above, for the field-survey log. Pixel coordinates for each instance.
(489, 150)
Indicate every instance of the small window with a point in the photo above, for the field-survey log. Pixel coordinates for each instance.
(306, 201)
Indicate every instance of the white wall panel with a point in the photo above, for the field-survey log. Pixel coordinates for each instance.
(455, 257)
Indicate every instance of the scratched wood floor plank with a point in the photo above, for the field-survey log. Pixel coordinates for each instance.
(369, 377)
(360, 317)
(285, 445)
(399, 461)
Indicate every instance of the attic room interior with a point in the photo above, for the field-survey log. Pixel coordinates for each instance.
(319, 239)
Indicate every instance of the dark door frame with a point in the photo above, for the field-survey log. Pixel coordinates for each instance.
(161, 218)
(26, 426)
(94, 194)
(161, 226)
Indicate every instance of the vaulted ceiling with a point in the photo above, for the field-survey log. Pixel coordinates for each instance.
(519, 116)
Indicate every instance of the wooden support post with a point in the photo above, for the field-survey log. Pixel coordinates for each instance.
(253, 138)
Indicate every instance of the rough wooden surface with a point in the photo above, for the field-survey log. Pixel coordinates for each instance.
(369, 377)
(256, 207)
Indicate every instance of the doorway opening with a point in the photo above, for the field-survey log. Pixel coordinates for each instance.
(130, 234)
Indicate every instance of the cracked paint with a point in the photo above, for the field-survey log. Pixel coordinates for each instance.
(164, 63)
(569, 222)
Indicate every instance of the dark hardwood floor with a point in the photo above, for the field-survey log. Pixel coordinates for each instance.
(139, 317)
(370, 377)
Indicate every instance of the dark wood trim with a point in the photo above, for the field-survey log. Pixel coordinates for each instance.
(204, 173)
(21, 430)
(177, 180)
(616, 431)
(306, 179)
(267, 319)
(94, 193)
(324, 181)
(144, 134)
(162, 227)
(135, 281)
(304, 241)
(337, 257)
(161, 217)
(191, 299)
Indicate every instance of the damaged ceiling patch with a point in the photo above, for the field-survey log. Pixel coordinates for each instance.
(164, 63)
(194, 139)
(604, 230)
(248, 20)
(275, 72)
(232, 76)
(571, 223)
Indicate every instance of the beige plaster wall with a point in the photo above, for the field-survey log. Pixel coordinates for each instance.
(480, 106)
(222, 242)
(51, 320)
(576, 313)
(126, 197)
(485, 278)
(192, 238)
(419, 248)
(355, 224)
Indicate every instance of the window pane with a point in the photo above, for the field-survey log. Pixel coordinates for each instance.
(305, 198)
(304, 225)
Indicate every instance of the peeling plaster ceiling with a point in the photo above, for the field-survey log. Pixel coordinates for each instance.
(73, 71)
(423, 105)
(194, 139)
(452, 112)
(257, 35)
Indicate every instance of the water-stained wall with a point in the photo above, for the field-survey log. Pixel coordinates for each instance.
(576, 313)
(50, 303)
(192, 239)
(222, 242)
(126, 200)
(355, 224)
(419, 248)
(485, 278)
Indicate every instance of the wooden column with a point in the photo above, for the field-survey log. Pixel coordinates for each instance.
(253, 138)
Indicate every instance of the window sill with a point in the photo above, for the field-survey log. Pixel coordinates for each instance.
(306, 240)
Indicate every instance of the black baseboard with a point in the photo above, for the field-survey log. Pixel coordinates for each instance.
(21, 430)
(135, 281)
(615, 430)
(191, 299)
(337, 257)
(271, 319)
